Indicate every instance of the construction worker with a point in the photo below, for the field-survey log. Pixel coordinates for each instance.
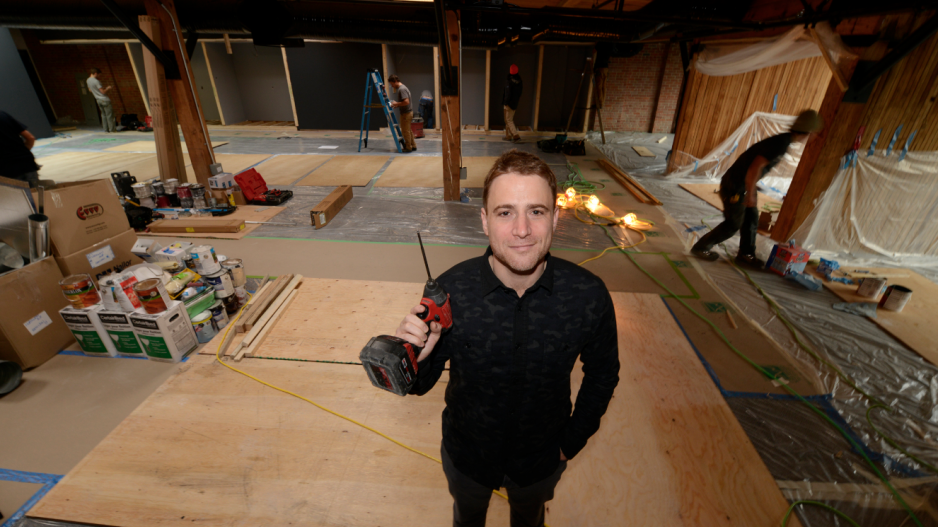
(510, 101)
(739, 195)
(104, 102)
(407, 112)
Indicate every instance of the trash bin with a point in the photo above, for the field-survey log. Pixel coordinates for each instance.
(417, 127)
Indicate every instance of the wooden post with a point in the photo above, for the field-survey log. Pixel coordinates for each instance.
(384, 63)
(182, 90)
(589, 96)
(140, 80)
(488, 85)
(286, 68)
(450, 118)
(436, 87)
(211, 78)
(825, 53)
(227, 44)
(537, 87)
(165, 134)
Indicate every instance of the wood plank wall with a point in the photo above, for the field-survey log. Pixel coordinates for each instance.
(714, 107)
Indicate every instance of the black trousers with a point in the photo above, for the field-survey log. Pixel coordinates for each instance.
(471, 500)
(736, 217)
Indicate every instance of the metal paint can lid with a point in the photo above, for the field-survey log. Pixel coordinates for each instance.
(201, 317)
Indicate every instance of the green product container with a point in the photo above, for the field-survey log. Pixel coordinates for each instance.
(200, 302)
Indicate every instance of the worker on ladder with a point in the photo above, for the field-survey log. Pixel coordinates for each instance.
(510, 100)
(407, 112)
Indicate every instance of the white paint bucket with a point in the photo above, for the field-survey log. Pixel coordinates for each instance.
(871, 287)
(203, 326)
(896, 298)
(205, 261)
(221, 281)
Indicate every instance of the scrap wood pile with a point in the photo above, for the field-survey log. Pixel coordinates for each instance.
(259, 316)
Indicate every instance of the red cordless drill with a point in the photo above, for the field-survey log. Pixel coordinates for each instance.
(391, 362)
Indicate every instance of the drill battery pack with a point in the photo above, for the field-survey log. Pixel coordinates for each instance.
(391, 364)
(256, 192)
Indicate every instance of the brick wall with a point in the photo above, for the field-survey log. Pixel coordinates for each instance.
(642, 92)
(57, 65)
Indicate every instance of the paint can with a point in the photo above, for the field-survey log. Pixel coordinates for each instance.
(238, 278)
(871, 287)
(152, 295)
(198, 190)
(141, 190)
(189, 260)
(170, 185)
(158, 189)
(219, 315)
(895, 298)
(242, 295)
(184, 192)
(148, 202)
(222, 258)
(204, 327)
(205, 260)
(199, 203)
(230, 302)
(108, 294)
(163, 202)
(79, 290)
(221, 281)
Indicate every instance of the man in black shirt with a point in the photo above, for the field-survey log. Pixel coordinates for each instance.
(521, 318)
(739, 195)
(15, 145)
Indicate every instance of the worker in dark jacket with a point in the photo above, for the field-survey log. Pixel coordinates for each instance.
(740, 197)
(510, 101)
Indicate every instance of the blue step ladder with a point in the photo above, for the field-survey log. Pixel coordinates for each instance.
(374, 84)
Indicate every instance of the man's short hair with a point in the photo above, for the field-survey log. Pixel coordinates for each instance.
(518, 162)
(394, 78)
(94, 70)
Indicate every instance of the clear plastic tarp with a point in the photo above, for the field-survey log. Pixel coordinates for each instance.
(878, 209)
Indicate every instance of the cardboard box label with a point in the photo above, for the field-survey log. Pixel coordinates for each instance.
(100, 256)
(156, 347)
(90, 341)
(37, 323)
(121, 332)
(322, 218)
(125, 342)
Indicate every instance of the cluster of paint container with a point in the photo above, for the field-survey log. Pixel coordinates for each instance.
(171, 193)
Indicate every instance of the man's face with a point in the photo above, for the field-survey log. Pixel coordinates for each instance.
(520, 220)
(395, 85)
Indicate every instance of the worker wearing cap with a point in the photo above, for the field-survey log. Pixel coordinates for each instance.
(510, 101)
(407, 112)
(739, 195)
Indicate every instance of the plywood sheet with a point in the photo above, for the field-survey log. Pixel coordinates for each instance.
(75, 166)
(915, 325)
(411, 171)
(213, 445)
(708, 193)
(287, 169)
(669, 450)
(478, 168)
(244, 212)
(345, 170)
(233, 163)
(644, 152)
(150, 146)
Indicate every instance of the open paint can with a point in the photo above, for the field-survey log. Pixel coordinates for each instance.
(230, 302)
(204, 326)
(141, 190)
(219, 315)
(896, 298)
(205, 261)
(170, 185)
(871, 287)
(221, 281)
(152, 295)
(80, 291)
(238, 278)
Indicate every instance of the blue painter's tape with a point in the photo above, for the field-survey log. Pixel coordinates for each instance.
(775, 103)
(892, 142)
(873, 144)
(46, 480)
(731, 150)
(905, 149)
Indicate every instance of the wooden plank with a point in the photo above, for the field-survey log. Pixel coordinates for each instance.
(436, 87)
(268, 327)
(141, 79)
(537, 87)
(287, 169)
(255, 299)
(286, 68)
(623, 176)
(914, 326)
(669, 451)
(355, 170)
(253, 332)
(644, 152)
(606, 165)
(165, 133)
(709, 193)
(211, 77)
(257, 308)
(244, 212)
(450, 116)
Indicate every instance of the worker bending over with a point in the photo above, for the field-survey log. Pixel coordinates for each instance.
(407, 112)
(521, 319)
(739, 195)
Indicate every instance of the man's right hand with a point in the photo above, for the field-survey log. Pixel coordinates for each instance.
(414, 330)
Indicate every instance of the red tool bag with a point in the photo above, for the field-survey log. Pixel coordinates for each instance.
(252, 185)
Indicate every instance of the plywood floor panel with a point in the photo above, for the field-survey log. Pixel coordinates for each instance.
(477, 168)
(150, 146)
(287, 169)
(244, 212)
(709, 193)
(232, 163)
(213, 445)
(76, 166)
(355, 170)
(914, 326)
(144, 170)
(413, 171)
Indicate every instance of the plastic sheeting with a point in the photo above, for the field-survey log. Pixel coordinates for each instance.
(755, 128)
(879, 209)
(618, 149)
(797, 44)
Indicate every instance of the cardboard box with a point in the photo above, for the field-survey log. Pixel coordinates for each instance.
(146, 249)
(222, 197)
(112, 255)
(166, 336)
(121, 332)
(30, 331)
(237, 197)
(83, 214)
(88, 330)
(329, 207)
(185, 226)
(787, 259)
(172, 254)
(221, 181)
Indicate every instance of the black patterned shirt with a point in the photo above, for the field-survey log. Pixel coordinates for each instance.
(508, 409)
